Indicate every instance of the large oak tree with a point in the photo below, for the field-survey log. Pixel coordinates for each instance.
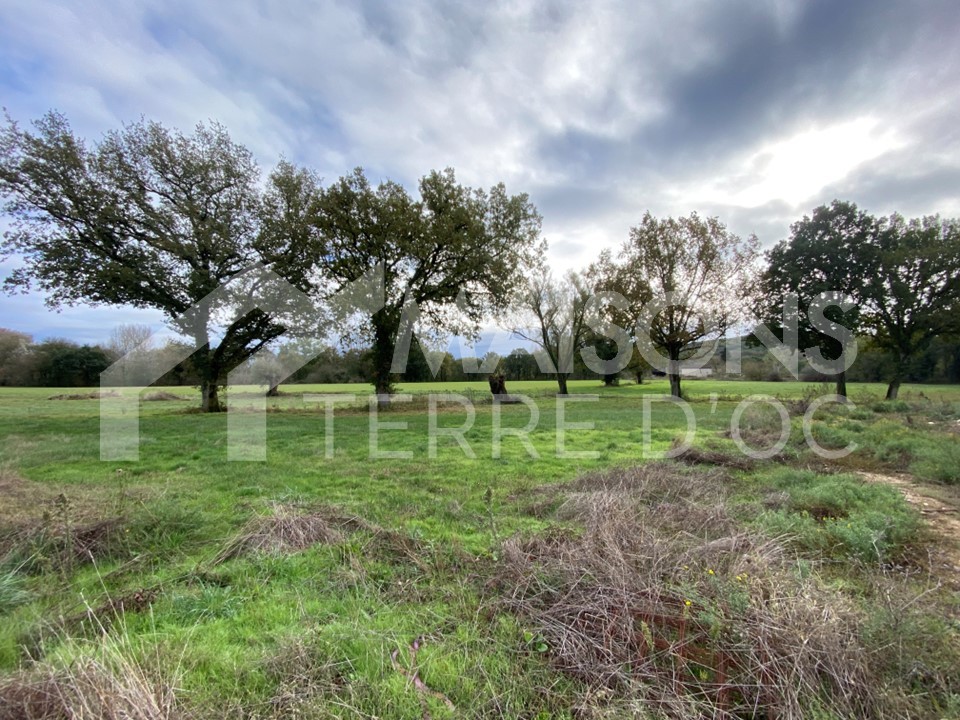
(910, 290)
(152, 218)
(458, 253)
(823, 264)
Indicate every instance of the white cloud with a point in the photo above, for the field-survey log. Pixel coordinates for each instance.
(796, 168)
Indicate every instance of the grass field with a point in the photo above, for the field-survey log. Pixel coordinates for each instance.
(500, 585)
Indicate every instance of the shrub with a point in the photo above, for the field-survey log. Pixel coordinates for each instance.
(840, 515)
(940, 462)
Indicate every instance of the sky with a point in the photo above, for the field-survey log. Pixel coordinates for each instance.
(755, 112)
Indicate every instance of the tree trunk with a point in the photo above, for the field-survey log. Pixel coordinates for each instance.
(562, 382)
(893, 389)
(384, 337)
(209, 371)
(274, 390)
(210, 394)
(639, 378)
(674, 384)
(611, 380)
(899, 370)
(842, 383)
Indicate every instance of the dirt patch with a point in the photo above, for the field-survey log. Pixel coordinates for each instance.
(941, 516)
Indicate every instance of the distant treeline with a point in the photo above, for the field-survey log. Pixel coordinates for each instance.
(62, 363)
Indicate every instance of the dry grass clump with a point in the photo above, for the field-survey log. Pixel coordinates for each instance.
(287, 529)
(27, 504)
(103, 680)
(290, 528)
(86, 396)
(54, 542)
(715, 458)
(663, 600)
(161, 397)
(305, 677)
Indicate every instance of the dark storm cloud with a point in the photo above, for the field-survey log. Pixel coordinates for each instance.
(754, 112)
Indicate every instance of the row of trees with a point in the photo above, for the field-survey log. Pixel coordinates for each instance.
(62, 363)
(52, 363)
(898, 282)
(59, 362)
(150, 217)
(153, 218)
(677, 286)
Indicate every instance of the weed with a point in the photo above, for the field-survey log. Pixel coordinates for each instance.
(284, 530)
(840, 515)
(12, 591)
(107, 678)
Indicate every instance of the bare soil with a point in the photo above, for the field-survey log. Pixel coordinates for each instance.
(941, 514)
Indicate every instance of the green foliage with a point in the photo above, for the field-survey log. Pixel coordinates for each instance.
(939, 462)
(840, 516)
(147, 217)
(824, 254)
(12, 591)
(911, 288)
(696, 266)
(454, 243)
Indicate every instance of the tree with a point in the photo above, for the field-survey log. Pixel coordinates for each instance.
(633, 294)
(826, 253)
(520, 365)
(453, 245)
(911, 290)
(151, 218)
(14, 355)
(268, 369)
(132, 341)
(695, 275)
(128, 338)
(61, 363)
(553, 317)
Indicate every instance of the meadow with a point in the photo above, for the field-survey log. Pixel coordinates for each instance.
(601, 581)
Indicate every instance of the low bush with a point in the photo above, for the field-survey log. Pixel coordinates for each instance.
(838, 516)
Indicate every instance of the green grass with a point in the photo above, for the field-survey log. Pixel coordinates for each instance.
(347, 606)
(838, 516)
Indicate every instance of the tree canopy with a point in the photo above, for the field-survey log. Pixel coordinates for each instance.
(684, 280)
(553, 316)
(147, 217)
(458, 253)
(823, 265)
(911, 290)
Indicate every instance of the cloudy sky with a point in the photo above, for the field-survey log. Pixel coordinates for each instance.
(752, 111)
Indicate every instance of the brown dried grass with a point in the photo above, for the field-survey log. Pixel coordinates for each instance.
(102, 679)
(663, 599)
(287, 529)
